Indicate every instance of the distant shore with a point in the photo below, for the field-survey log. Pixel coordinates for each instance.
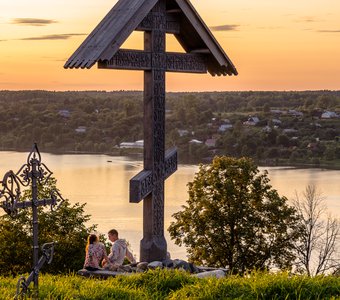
(139, 156)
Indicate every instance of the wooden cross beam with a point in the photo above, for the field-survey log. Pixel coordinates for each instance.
(142, 60)
(142, 184)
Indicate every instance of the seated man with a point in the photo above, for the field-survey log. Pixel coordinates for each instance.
(119, 251)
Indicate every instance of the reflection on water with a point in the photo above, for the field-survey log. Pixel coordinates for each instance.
(103, 183)
(289, 181)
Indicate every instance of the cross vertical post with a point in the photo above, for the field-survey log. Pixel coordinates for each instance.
(34, 174)
(153, 244)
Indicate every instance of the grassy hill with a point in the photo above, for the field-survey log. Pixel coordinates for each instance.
(162, 284)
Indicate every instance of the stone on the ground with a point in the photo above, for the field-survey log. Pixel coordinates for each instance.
(193, 269)
(155, 264)
(125, 268)
(142, 266)
(168, 263)
(205, 268)
(181, 264)
(214, 273)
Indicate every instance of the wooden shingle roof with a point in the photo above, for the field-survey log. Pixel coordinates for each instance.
(127, 15)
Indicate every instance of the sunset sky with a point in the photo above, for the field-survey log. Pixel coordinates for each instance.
(274, 44)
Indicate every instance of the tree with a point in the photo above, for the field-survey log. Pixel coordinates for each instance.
(266, 108)
(65, 226)
(234, 218)
(283, 140)
(318, 246)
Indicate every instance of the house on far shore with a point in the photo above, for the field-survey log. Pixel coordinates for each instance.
(132, 145)
(224, 127)
(278, 111)
(64, 113)
(183, 132)
(329, 115)
(289, 130)
(295, 113)
(80, 129)
(252, 121)
(313, 146)
(276, 121)
(194, 141)
(267, 128)
(210, 143)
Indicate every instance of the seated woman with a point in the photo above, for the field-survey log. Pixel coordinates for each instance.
(95, 253)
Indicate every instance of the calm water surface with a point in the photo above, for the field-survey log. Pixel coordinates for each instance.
(103, 183)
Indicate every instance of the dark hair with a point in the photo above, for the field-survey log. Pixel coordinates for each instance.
(92, 238)
(113, 231)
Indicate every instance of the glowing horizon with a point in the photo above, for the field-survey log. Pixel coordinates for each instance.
(275, 45)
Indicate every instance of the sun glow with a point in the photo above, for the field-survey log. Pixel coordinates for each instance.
(277, 45)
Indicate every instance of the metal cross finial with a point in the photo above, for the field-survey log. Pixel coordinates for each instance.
(41, 171)
(11, 193)
(30, 174)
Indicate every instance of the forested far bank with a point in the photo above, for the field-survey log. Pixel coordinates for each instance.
(274, 128)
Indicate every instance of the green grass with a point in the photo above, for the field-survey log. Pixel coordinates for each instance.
(162, 284)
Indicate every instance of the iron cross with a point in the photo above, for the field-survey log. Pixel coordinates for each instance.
(30, 174)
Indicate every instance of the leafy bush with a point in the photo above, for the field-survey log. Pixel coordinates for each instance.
(65, 226)
(234, 218)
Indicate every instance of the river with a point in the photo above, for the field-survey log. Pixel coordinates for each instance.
(103, 183)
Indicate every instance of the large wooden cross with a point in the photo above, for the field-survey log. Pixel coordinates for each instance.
(203, 54)
(158, 165)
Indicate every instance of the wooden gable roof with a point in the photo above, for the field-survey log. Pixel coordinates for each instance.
(127, 15)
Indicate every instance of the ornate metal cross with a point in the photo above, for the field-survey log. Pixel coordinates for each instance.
(31, 173)
(203, 54)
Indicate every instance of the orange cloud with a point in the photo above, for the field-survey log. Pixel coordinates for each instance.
(33, 21)
(62, 36)
(225, 27)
